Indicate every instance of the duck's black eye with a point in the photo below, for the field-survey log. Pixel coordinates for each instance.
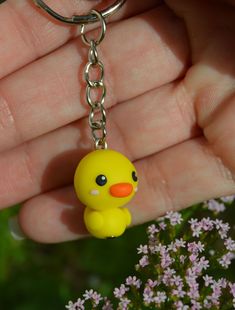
(101, 180)
(134, 176)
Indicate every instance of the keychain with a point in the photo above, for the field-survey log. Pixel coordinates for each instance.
(105, 180)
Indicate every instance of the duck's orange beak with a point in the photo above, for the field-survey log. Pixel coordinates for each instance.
(121, 190)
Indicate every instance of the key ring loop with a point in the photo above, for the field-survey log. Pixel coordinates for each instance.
(81, 19)
(102, 32)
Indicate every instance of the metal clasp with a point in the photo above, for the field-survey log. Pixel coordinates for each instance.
(81, 19)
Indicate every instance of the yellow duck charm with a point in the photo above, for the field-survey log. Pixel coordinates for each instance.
(105, 181)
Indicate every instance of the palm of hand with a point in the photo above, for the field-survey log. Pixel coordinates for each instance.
(174, 82)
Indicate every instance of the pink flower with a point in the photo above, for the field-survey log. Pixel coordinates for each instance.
(142, 249)
(222, 282)
(124, 304)
(177, 244)
(228, 198)
(71, 306)
(176, 280)
(174, 217)
(193, 287)
(216, 206)
(208, 280)
(207, 224)
(93, 296)
(214, 298)
(172, 247)
(166, 260)
(195, 247)
(107, 304)
(133, 281)
(144, 261)
(204, 263)
(229, 244)
(96, 298)
(180, 243)
(195, 305)
(193, 221)
(162, 225)
(226, 259)
(88, 294)
(167, 275)
(193, 257)
(159, 248)
(196, 227)
(152, 230)
(180, 306)
(148, 295)
(120, 292)
(179, 292)
(198, 266)
(152, 283)
(222, 228)
(79, 304)
(160, 298)
(193, 292)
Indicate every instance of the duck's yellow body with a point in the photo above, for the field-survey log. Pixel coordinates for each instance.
(108, 223)
(105, 181)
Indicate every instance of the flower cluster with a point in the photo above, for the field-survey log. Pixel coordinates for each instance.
(179, 265)
(218, 205)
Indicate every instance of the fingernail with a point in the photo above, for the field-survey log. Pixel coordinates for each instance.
(15, 229)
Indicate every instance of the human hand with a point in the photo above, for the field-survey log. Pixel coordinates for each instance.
(171, 106)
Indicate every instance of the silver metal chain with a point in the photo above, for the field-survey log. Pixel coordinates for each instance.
(95, 86)
(97, 123)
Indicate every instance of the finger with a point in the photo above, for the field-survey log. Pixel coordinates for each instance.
(138, 128)
(173, 179)
(44, 96)
(57, 207)
(27, 29)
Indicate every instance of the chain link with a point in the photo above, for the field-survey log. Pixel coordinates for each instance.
(95, 86)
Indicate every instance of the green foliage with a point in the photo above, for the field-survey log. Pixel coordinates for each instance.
(35, 276)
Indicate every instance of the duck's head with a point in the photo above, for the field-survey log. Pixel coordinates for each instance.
(105, 179)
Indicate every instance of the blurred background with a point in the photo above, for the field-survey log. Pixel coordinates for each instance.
(36, 277)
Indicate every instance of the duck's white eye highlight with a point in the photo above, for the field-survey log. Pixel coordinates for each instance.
(94, 192)
(136, 189)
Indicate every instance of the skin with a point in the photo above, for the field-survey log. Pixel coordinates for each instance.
(171, 103)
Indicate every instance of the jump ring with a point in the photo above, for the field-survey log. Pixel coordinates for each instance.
(100, 144)
(102, 32)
